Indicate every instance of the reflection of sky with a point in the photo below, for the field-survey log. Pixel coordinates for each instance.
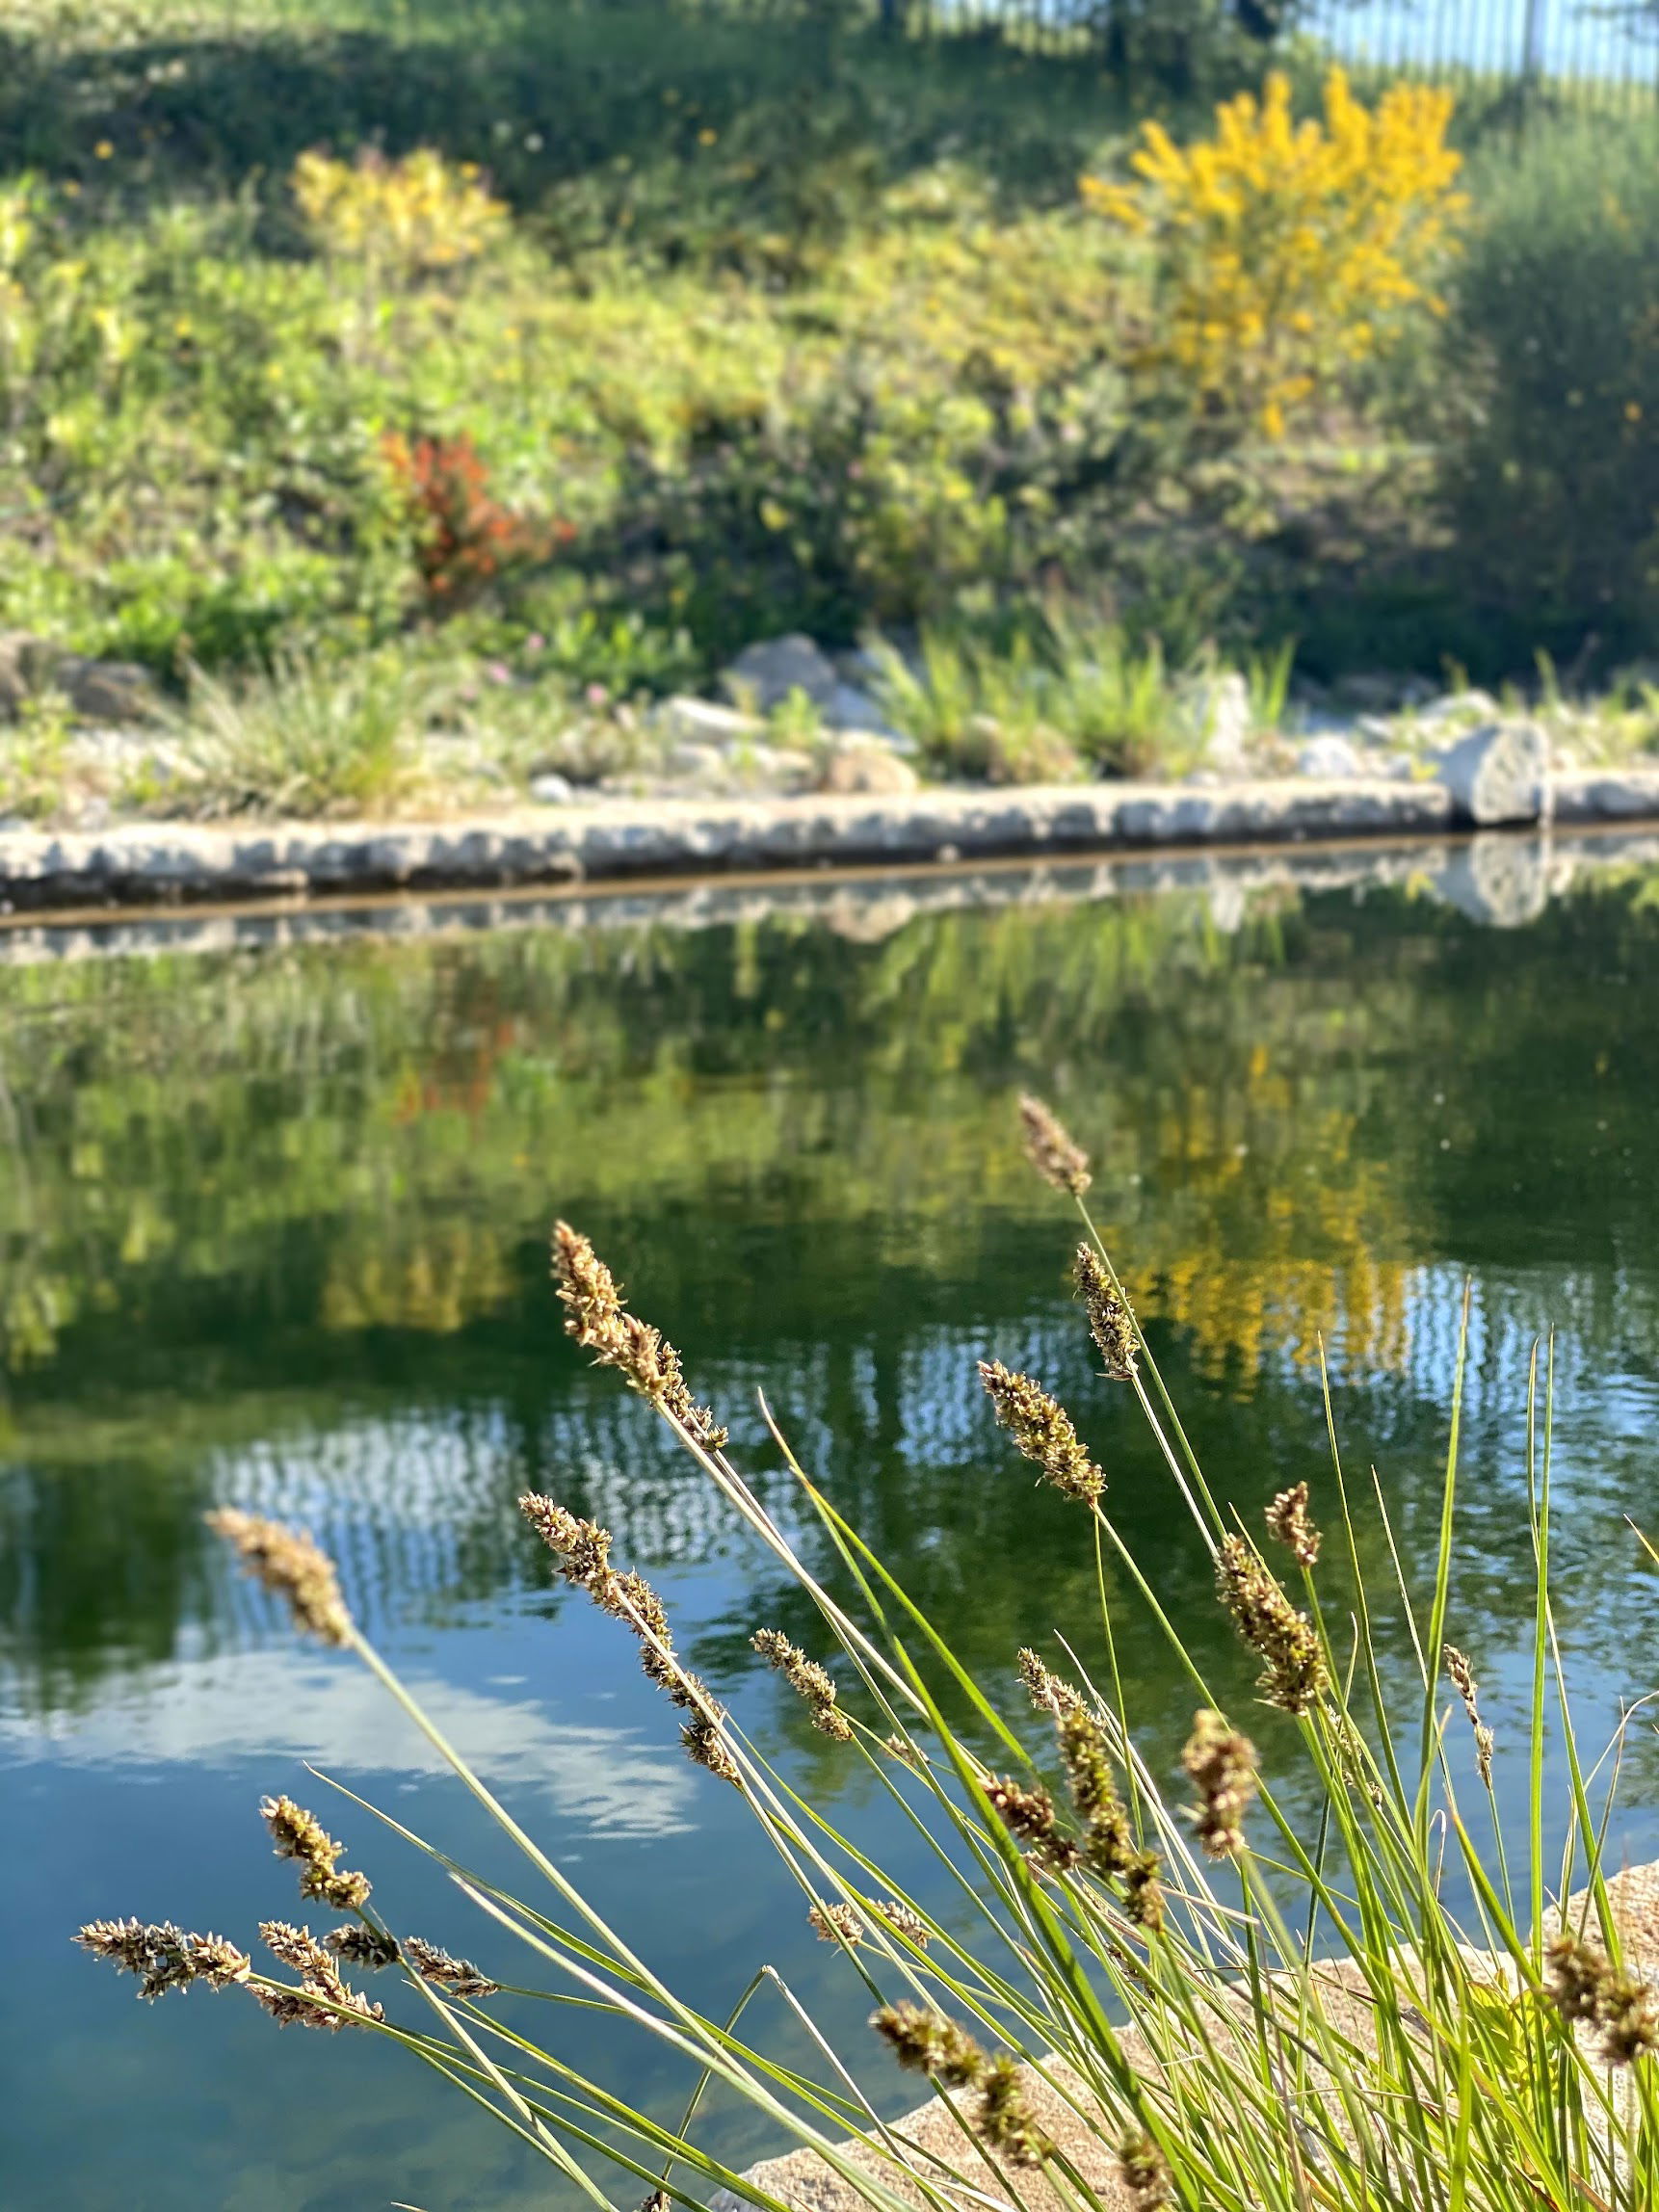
(207, 1711)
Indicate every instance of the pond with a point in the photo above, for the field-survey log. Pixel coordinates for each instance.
(275, 1233)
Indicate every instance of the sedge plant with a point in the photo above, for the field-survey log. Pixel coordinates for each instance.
(1222, 1995)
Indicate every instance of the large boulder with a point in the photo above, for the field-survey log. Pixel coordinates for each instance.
(765, 674)
(97, 690)
(1499, 772)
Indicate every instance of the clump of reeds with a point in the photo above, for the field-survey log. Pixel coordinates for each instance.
(1263, 1999)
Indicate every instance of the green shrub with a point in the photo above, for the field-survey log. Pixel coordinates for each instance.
(1552, 469)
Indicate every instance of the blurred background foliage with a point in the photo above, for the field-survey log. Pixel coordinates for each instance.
(320, 332)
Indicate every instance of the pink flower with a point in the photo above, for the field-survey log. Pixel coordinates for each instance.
(597, 695)
(535, 643)
(498, 672)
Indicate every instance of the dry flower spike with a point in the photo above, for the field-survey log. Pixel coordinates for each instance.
(286, 1560)
(1042, 1431)
(1050, 1148)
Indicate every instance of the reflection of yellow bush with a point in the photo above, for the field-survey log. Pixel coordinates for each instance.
(456, 1272)
(418, 214)
(1285, 251)
(1255, 1258)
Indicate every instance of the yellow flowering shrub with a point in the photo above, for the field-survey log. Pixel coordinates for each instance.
(1282, 250)
(414, 215)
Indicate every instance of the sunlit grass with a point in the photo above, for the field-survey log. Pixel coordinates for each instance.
(1324, 1990)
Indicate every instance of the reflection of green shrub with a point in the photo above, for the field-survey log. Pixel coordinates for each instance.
(1554, 485)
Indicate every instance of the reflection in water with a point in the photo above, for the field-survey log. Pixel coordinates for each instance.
(273, 1235)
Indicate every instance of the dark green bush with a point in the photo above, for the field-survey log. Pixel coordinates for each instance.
(1551, 479)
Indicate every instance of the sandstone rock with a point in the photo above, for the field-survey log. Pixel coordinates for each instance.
(853, 770)
(767, 671)
(931, 2141)
(1498, 773)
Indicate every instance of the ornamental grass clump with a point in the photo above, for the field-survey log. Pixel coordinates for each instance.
(1284, 1980)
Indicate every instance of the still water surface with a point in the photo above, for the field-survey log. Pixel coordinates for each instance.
(273, 1235)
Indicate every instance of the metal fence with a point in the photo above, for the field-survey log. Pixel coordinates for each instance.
(1598, 52)
(1572, 45)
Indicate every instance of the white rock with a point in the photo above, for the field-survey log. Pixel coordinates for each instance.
(688, 759)
(1228, 722)
(1461, 706)
(688, 721)
(1498, 773)
(1330, 756)
(770, 670)
(551, 790)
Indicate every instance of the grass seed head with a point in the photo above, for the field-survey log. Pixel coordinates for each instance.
(597, 1317)
(807, 1680)
(925, 2042)
(1110, 1323)
(285, 1560)
(1050, 1693)
(1587, 1990)
(1294, 1670)
(1005, 2120)
(1029, 1815)
(1042, 1430)
(164, 1957)
(1289, 1523)
(300, 1835)
(906, 1920)
(1221, 1766)
(1463, 1676)
(321, 2000)
(1146, 2172)
(459, 1976)
(835, 1923)
(360, 1946)
(1050, 1148)
(706, 1747)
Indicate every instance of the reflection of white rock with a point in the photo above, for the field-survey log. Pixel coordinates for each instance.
(206, 1712)
(1497, 881)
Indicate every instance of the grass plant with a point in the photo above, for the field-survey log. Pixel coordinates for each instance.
(302, 738)
(1043, 699)
(1244, 1993)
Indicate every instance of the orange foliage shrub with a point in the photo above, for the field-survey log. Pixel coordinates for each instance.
(467, 536)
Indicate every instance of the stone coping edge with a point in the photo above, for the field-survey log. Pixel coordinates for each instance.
(166, 863)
